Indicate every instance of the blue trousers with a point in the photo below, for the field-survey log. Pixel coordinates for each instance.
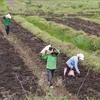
(7, 29)
(50, 74)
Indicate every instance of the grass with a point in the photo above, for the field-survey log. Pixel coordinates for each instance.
(47, 97)
(60, 7)
(66, 34)
(66, 6)
(3, 5)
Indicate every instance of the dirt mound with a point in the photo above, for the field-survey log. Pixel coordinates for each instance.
(88, 27)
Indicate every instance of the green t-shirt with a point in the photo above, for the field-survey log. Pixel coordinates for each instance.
(6, 21)
(51, 61)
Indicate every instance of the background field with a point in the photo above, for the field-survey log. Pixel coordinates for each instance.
(72, 26)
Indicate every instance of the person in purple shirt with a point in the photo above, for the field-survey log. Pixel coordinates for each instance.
(72, 64)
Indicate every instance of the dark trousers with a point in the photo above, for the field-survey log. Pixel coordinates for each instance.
(7, 29)
(67, 71)
(50, 74)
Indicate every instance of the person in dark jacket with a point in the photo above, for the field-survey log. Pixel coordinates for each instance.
(7, 21)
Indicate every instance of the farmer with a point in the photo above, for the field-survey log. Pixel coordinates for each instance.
(7, 21)
(51, 64)
(72, 65)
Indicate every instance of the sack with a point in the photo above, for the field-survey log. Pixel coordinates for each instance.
(71, 73)
(46, 48)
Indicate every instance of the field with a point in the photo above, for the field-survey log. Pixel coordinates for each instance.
(72, 26)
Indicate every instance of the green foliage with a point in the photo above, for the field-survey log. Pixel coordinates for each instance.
(80, 6)
(3, 5)
(48, 97)
(83, 43)
(63, 6)
(98, 4)
(66, 34)
(1, 1)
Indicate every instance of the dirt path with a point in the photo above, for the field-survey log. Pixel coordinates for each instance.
(88, 27)
(13, 4)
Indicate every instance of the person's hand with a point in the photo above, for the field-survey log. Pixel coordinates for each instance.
(79, 73)
(45, 51)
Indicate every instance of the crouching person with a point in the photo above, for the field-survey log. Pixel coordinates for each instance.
(51, 64)
(72, 65)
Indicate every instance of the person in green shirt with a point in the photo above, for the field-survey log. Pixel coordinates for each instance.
(51, 64)
(7, 21)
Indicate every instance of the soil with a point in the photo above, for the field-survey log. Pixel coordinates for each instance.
(88, 27)
(13, 73)
(91, 86)
(81, 14)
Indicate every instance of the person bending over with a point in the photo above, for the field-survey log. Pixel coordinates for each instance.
(72, 64)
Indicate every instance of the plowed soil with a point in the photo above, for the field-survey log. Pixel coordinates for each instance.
(91, 86)
(15, 77)
(88, 27)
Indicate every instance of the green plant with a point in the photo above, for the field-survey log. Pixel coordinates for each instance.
(98, 4)
(80, 6)
(3, 5)
(65, 34)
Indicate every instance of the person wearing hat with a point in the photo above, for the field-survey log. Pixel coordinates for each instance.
(7, 21)
(72, 64)
(51, 64)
